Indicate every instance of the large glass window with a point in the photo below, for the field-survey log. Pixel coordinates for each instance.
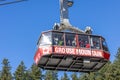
(95, 42)
(104, 45)
(58, 38)
(45, 39)
(83, 41)
(70, 39)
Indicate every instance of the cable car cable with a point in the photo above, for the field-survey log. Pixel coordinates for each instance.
(11, 2)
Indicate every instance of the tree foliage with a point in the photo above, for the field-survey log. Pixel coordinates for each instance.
(74, 76)
(20, 73)
(51, 75)
(116, 66)
(5, 73)
(35, 73)
(65, 77)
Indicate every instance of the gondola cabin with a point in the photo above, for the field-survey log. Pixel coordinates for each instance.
(68, 51)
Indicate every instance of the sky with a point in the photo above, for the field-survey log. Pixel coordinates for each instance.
(22, 23)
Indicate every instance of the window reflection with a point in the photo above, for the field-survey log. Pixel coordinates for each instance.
(104, 45)
(45, 39)
(95, 42)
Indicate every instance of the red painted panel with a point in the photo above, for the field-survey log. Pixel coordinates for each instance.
(106, 55)
(44, 50)
(38, 55)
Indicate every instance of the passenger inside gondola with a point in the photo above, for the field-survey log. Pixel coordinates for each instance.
(61, 40)
(55, 40)
(74, 42)
(69, 43)
(83, 41)
(58, 39)
(87, 45)
(70, 39)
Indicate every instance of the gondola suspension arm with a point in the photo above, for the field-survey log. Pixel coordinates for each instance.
(64, 18)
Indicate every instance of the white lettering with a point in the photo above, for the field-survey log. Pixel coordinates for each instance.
(64, 50)
(70, 50)
(59, 50)
(97, 54)
(74, 51)
(83, 52)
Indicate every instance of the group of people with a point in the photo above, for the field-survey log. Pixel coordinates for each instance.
(60, 41)
(73, 42)
(84, 43)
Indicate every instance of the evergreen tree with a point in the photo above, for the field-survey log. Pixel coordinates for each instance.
(55, 75)
(103, 74)
(36, 73)
(0, 75)
(65, 77)
(51, 75)
(74, 76)
(20, 73)
(84, 76)
(5, 73)
(48, 75)
(106, 72)
(116, 66)
(117, 56)
(27, 75)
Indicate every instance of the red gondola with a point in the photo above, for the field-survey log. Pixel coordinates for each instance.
(70, 50)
